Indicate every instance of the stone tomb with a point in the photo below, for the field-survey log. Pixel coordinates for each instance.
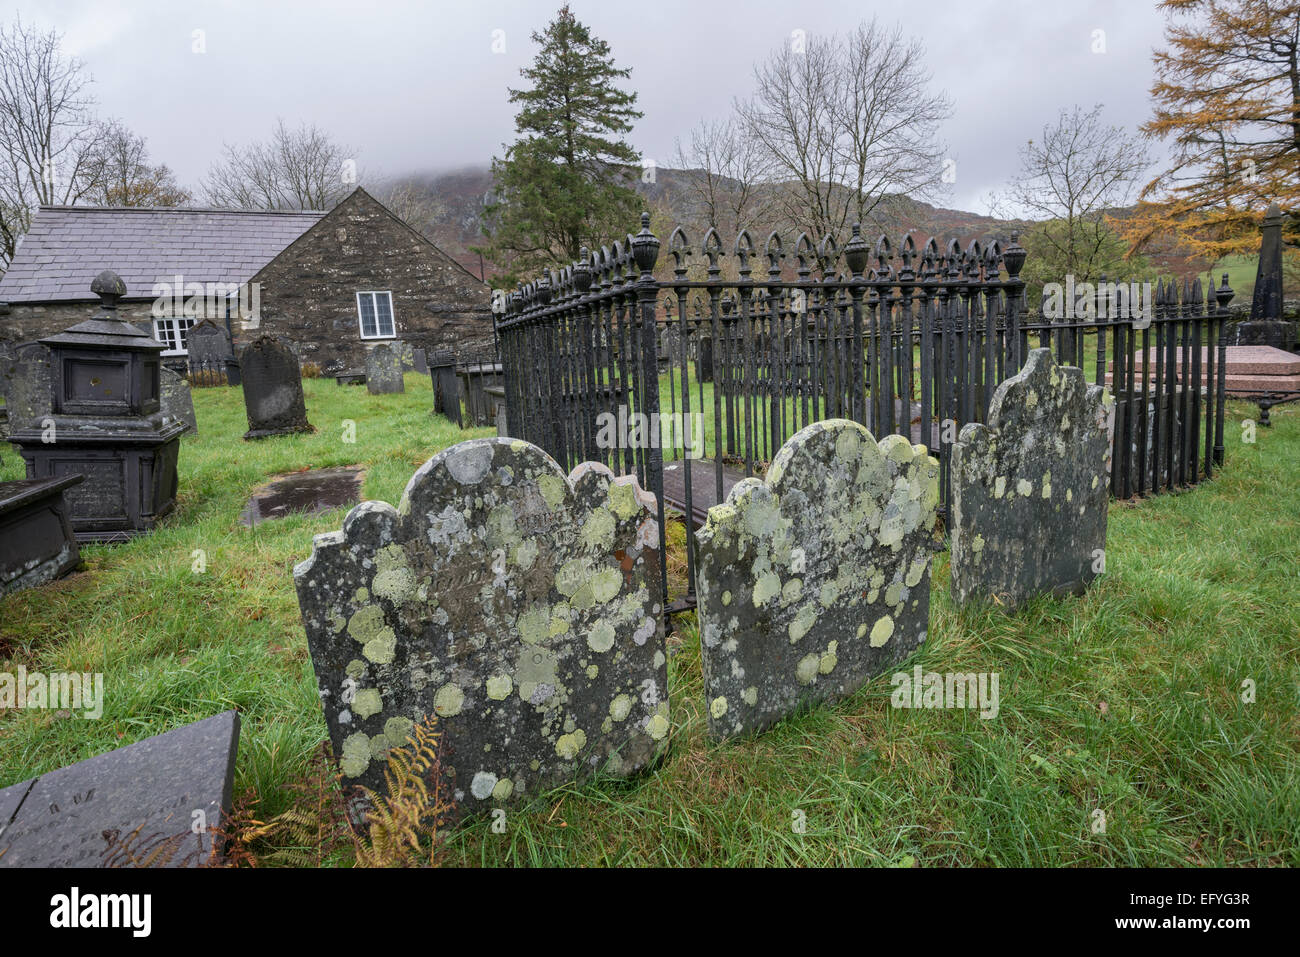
(168, 793)
(1031, 489)
(817, 578)
(384, 369)
(272, 389)
(36, 540)
(176, 401)
(518, 605)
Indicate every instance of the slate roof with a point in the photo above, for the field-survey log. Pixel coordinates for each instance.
(68, 246)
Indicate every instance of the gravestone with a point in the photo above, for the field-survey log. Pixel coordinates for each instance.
(310, 492)
(1266, 326)
(176, 401)
(208, 344)
(518, 605)
(151, 795)
(26, 381)
(384, 369)
(446, 386)
(1031, 489)
(420, 360)
(815, 579)
(273, 394)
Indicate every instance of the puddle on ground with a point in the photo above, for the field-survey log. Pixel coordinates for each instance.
(317, 490)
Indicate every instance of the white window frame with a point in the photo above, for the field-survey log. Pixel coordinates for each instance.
(179, 327)
(374, 295)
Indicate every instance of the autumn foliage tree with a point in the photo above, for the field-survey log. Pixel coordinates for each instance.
(1227, 94)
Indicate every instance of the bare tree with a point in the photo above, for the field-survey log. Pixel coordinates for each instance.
(725, 172)
(415, 203)
(301, 168)
(46, 129)
(1079, 172)
(847, 121)
(119, 173)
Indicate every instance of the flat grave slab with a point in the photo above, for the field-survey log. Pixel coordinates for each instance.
(167, 794)
(312, 491)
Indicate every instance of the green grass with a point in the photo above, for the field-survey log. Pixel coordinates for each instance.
(1199, 595)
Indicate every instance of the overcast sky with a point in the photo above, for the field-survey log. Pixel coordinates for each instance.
(417, 86)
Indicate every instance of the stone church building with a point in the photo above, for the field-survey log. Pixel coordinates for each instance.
(333, 282)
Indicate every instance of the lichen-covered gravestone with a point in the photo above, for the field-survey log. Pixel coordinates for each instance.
(1031, 489)
(519, 605)
(175, 399)
(272, 389)
(818, 578)
(384, 369)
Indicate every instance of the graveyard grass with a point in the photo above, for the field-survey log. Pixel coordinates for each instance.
(1127, 700)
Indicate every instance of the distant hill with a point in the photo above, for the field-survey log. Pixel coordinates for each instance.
(460, 195)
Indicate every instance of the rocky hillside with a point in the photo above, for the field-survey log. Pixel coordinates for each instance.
(456, 201)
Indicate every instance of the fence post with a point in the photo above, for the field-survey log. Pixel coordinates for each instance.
(645, 251)
(1223, 295)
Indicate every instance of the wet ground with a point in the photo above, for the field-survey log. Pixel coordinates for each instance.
(317, 490)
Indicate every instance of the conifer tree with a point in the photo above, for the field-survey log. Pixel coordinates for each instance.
(565, 182)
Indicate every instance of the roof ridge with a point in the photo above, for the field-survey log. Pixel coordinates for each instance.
(184, 209)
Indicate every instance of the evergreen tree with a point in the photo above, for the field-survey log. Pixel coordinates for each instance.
(565, 182)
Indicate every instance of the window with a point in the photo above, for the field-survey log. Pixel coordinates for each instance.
(376, 312)
(171, 332)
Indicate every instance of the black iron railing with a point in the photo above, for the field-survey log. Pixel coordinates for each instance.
(911, 341)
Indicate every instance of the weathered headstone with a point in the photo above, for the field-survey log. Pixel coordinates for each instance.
(1031, 489)
(148, 796)
(817, 578)
(384, 369)
(519, 605)
(26, 381)
(273, 394)
(446, 386)
(176, 401)
(208, 344)
(420, 360)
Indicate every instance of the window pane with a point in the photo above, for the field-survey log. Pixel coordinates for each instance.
(366, 302)
(384, 305)
(183, 327)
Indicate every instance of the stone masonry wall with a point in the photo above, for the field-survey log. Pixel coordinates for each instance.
(309, 290)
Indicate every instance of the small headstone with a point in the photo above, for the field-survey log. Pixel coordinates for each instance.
(446, 386)
(817, 578)
(420, 361)
(208, 344)
(519, 605)
(146, 797)
(384, 369)
(1031, 489)
(175, 399)
(26, 381)
(272, 389)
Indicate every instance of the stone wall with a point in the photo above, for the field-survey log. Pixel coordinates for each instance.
(309, 291)
(26, 323)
